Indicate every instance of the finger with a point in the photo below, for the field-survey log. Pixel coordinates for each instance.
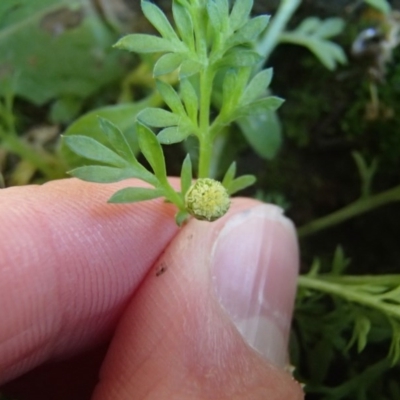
(72, 378)
(212, 318)
(69, 263)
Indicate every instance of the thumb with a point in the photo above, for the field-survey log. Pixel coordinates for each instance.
(211, 319)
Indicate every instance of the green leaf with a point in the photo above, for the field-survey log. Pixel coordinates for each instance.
(330, 27)
(152, 151)
(190, 99)
(261, 106)
(340, 262)
(117, 140)
(184, 24)
(93, 150)
(228, 85)
(229, 98)
(263, 132)
(249, 32)
(240, 183)
(257, 86)
(189, 68)
(144, 43)
(102, 174)
(381, 5)
(362, 327)
(181, 217)
(313, 33)
(394, 351)
(121, 115)
(56, 49)
(218, 11)
(239, 57)
(229, 176)
(173, 134)
(308, 26)
(322, 29)
(366, 172)
(158, 117)
(171, 98)
(135, 194)
(186, 175)
(328, 53)
(240, 13)
(158, 19)
(65, 109)
(167, 63)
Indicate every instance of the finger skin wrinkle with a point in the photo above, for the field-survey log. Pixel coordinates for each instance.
(69, 264)
(19, 306)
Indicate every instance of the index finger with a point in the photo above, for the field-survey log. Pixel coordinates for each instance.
(69, 263)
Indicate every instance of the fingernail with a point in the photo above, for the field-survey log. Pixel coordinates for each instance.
(255, 267)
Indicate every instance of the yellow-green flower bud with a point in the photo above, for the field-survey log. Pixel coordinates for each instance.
(207, 199)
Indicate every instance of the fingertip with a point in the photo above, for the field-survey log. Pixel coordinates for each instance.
(70, 262)
(176, 340)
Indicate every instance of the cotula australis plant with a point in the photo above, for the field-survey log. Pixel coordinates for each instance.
(210, 40)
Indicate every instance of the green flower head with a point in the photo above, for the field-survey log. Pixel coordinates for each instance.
(207, 199)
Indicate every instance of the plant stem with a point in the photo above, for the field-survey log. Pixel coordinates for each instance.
(217, 152)
(204, 158)
(40, 161)
(173, 196)
(377, 280)
(350, 211)
(205, 141)
(271, 37)
(349, 293)
(206, 81)
(10, 140)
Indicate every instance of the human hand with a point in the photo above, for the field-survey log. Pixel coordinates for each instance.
(75, 272)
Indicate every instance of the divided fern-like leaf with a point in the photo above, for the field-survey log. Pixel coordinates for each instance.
(229, 176)
(103, 174)
(239, 57)
(159, 20)
(135, 194)
(240, 183)
(117, 140)
(248, 32)
(260, 106)
(93, 150)
(184, 24)
(257, 86)
(152, 151)
(240, 14)
(145, 43)
(158, 117)
(171, 98)
(314, 33)
(190, 99)
(173, 134)
(167, 63)
(373, 294)
(186, 175)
